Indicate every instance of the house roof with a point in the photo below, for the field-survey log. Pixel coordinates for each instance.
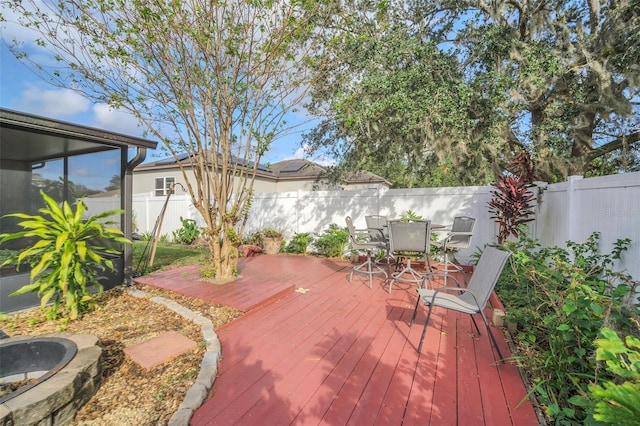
(172, 163)
(298, 168)
(34, 138)
(294, 169)
(365, 177)
(305, 169)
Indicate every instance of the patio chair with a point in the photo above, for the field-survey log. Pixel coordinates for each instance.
(366, 241)
(409, 239)
(471, 299)
(377, 224)
(458, 238)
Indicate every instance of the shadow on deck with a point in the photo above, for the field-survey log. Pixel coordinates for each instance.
(317, 349)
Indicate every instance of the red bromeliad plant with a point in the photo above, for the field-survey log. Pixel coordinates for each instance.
(511, 205)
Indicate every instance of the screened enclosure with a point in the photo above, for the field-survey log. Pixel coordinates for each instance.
(68, 162)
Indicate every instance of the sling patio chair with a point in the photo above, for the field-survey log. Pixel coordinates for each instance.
(380, 232)
(366, 241)
(378, 222)
(459, 237)
(471, 299)
(407, 240)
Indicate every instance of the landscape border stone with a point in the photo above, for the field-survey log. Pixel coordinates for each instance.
(198, 392)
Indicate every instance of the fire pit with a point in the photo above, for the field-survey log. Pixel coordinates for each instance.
(47, 377)
(32, 361)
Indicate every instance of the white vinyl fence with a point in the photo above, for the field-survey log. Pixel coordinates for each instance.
(567, 211)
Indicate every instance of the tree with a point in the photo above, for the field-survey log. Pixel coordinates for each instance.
(114, 183)
(471, 84)
(563, 76)
(392, 102)
(212, 80)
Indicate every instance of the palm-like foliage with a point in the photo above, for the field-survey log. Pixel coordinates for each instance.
(67, 254)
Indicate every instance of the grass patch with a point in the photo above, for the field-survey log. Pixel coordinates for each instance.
(167, 256)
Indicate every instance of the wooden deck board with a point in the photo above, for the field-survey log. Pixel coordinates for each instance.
(469, 397)
(341, 353)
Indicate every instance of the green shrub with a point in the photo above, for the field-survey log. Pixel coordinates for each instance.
(563, 297)
(299, 243)
(616, 399)
(332, 242)
(66, 255)
(188, 233)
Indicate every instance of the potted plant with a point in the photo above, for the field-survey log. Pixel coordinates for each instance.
(272, 240)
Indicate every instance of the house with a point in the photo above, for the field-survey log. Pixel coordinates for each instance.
(155, 178)
(68, 162)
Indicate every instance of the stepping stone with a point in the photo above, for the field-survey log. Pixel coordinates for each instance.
(160, 349)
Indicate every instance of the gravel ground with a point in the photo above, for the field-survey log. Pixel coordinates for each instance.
(130, 395)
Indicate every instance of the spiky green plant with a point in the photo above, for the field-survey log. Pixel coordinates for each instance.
(66, 256)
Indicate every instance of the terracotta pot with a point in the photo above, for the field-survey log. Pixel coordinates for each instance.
(272, 245)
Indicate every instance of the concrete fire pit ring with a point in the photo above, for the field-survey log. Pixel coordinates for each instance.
(60, 396)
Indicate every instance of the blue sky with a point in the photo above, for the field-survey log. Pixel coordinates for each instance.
(22, 90)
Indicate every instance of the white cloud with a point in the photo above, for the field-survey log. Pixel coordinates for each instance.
(303, 152)
(300, 153)
(324, 161)
(58, 103)
(118, 121)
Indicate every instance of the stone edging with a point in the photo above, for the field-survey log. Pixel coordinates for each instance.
(198, 392)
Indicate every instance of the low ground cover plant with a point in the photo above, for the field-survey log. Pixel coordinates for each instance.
(561, 300)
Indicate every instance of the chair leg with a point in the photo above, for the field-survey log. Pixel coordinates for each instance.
(415, 311)
(493, 339)
(451, 267)
(424, 329)
(397, 276)
(369, 268)
(475, 324)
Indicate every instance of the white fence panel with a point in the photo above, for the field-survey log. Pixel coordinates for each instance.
(98, 205)
(609, 205)
(553, 214)
(274, 210)
(147, 210)
(441, 205)
(565, 211)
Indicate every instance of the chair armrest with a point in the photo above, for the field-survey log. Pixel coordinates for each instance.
(457, 289)
(453, 234)
(450, 235)
(377, 235)
(361, 234)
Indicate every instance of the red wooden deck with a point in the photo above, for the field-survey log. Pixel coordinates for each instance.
(335, 353)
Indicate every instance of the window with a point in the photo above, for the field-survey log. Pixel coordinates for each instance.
(163, 185)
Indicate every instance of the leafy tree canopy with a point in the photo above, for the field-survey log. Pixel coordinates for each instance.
(469, 85)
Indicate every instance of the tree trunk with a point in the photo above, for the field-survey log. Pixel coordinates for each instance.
(223, 257)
